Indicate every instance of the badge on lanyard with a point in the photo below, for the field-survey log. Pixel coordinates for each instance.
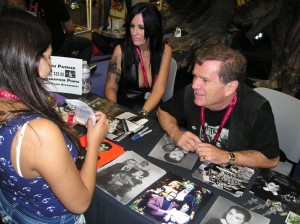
(147, 95)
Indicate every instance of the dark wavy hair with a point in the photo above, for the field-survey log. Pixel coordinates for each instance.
(23, 41)
(153, 33)
(172, 160)
(233, 65)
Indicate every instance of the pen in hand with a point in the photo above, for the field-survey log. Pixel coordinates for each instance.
(141, 135)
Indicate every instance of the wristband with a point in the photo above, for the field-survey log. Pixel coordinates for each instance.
(71, 119)
(143, 112)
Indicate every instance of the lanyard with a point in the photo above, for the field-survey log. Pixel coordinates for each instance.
(8, 95)
(143, 69)
(223, 122)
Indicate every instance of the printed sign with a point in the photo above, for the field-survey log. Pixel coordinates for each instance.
(66, 75)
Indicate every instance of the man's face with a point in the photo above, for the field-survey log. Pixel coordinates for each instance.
(208, 89)
(272, 186)
(171, 196)
(130, 163)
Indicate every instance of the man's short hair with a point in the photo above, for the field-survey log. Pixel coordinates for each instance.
(233, 65)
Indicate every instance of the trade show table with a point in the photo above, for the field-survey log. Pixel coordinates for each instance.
(105, 209)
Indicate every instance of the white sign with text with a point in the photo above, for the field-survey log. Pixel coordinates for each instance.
(66, 75)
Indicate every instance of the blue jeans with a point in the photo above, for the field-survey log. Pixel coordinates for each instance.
(13, 213)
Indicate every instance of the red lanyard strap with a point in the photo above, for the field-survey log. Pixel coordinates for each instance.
(143, 68)
(8, 95)
(223, 122)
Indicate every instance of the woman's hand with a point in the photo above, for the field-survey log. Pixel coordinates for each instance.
(96, 133)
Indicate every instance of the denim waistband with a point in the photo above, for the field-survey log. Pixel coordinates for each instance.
(13, 213)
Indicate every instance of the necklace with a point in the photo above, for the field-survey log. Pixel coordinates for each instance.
(223, 122)
(8, 95)
(143, 68)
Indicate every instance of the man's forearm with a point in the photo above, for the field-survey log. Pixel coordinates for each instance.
(254, 158)
(168, 123)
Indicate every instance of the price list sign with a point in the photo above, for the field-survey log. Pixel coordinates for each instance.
(66, 75)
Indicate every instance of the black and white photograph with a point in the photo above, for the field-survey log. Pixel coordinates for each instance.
(98, 103)
(121, 124)
(166, 150)
(127, 176)
(280, 192)
(225, 211)
(172, 200)
(70, 74)
(230, 178)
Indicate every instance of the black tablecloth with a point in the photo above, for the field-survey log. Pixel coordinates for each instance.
(105, 209)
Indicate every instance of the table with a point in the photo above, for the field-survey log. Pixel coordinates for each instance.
(105, 209)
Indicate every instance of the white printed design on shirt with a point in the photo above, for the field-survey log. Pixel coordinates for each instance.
(211, 131)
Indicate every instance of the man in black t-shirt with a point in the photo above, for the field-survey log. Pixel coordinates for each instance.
(219, 117)
(64, 42)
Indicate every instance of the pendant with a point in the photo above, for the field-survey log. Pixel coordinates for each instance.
(147, 95)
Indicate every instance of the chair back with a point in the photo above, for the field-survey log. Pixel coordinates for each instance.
(171, 81)
(286, 110)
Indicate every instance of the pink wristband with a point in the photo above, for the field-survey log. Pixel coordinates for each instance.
(71, 119)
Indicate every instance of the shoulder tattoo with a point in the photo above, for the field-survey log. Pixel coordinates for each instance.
(113, 71)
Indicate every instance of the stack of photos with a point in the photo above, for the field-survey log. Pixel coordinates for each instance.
(280, 193)
(166, 150)
(230, 178)
(123, 123)
(98, 103)
(172, 199)
(228, 212)
(127, 176)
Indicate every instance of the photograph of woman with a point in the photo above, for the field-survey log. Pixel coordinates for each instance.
(166, 150)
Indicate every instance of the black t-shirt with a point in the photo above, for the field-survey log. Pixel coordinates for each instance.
(213, 120)
(251, 125)
(53, 12)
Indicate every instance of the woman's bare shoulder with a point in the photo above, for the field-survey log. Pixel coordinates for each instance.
(43, 128)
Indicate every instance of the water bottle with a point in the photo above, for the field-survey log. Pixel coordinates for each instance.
(86, 83)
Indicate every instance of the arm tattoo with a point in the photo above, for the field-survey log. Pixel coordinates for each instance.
(113, 71)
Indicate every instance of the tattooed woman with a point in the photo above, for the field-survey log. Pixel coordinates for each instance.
(139, 68)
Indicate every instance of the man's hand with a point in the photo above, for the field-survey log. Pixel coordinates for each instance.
(186, 140)
(211, 153)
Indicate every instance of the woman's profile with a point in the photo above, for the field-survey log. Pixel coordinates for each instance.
(39, 178)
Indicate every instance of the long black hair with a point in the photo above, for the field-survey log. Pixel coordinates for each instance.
(23, 41)
(153, 33)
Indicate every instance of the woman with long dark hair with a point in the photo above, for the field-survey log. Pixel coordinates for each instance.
(39, 180)
(139, 67)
